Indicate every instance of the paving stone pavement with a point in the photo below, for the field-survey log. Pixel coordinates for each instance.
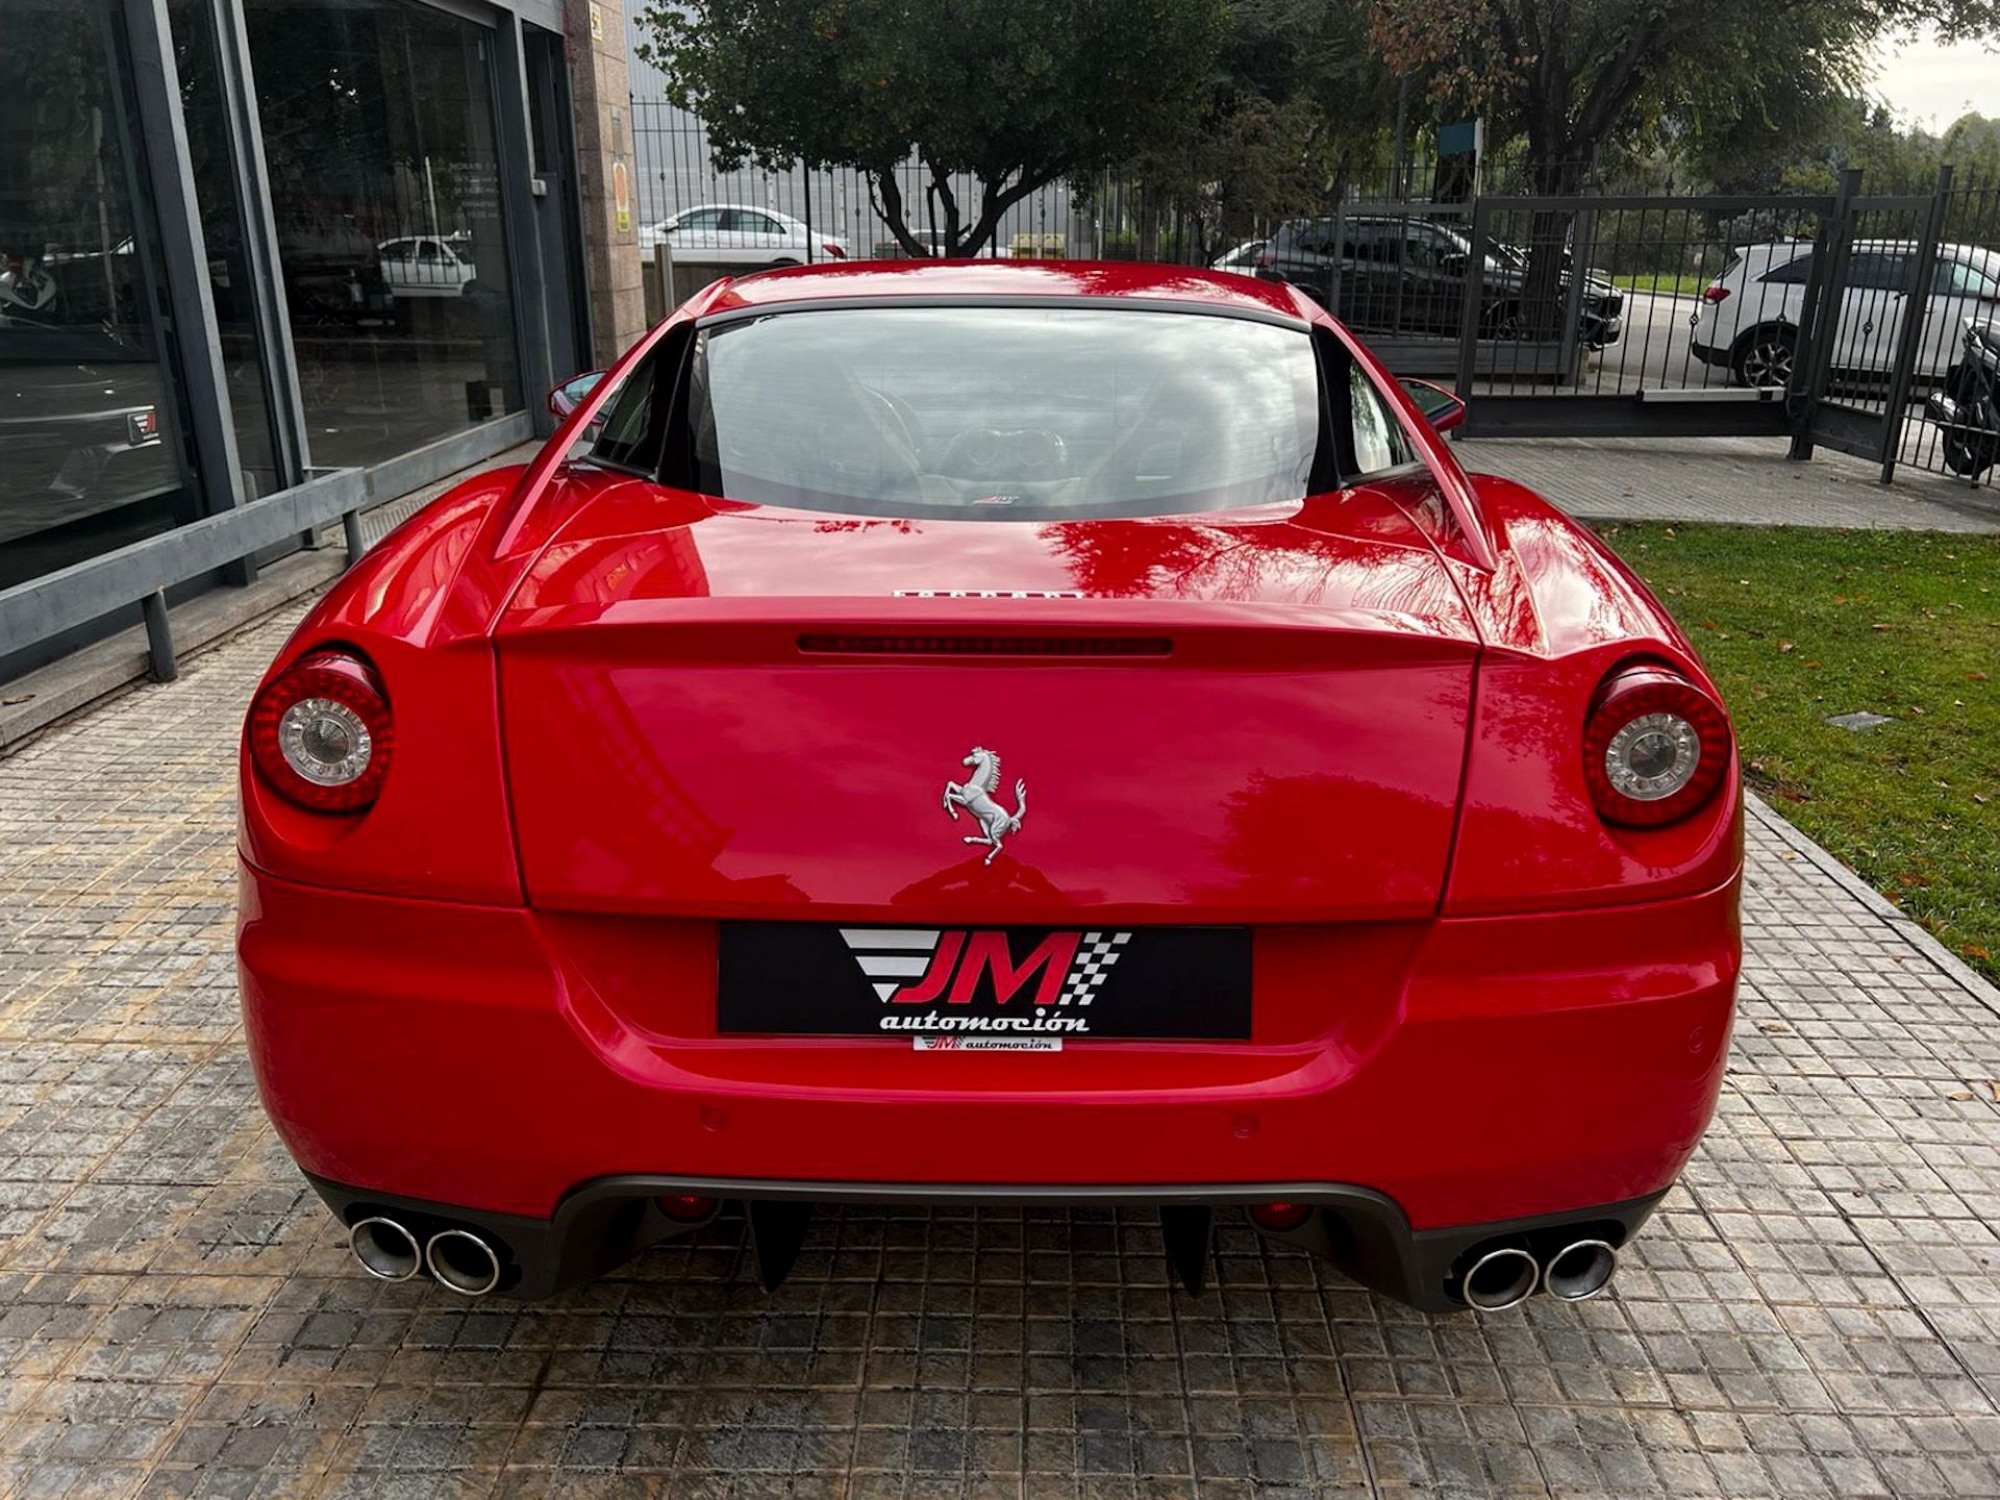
(1742, 481)
(1816, 1311)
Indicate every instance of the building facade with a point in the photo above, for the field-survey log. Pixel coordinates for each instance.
(243, 242)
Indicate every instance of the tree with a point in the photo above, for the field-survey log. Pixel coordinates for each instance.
(1294, 106)
(1572, 75)
(1014, 94)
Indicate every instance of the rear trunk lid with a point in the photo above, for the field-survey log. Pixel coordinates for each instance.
(725, 711)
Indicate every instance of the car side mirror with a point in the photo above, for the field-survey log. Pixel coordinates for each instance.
(568, 396)
(1441, 408)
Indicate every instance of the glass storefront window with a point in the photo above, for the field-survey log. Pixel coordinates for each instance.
(222, 233)
(379, 139)
(89, 452)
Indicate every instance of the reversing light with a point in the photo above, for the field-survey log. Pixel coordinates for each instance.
(1655, 748)
(320, 732)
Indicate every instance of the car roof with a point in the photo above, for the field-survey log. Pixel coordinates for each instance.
(983, 279)
(744, 208)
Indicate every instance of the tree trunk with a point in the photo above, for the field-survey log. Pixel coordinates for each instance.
(1556, 173)
(889, 204)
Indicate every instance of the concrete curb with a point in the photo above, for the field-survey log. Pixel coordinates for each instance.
(1894, 917)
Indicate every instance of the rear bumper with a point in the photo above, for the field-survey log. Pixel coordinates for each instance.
(603, 1223)
(1708, 354)
(1465, 1071)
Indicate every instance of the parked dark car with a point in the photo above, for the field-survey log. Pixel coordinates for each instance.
(78, 420)
(1397, 275)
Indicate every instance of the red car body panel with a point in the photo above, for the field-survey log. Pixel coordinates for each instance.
(1472, 995)
(1481, 1068)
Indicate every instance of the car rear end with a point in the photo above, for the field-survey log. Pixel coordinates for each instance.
(781, 855)
(1741, 299)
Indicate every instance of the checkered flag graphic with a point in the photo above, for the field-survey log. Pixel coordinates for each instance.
(1092, 966)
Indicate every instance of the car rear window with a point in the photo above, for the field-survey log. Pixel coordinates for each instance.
(1002, 413)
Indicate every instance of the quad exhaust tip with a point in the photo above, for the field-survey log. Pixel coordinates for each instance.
(385, 1249)
(1580, 1270)
(462, 1262)
(1501, 1278)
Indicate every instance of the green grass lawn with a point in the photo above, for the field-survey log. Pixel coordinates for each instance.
(1797, 625)
(1664, 283)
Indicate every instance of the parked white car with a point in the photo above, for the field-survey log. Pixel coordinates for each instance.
(426, 265)
(1749, 318)
(735, 234)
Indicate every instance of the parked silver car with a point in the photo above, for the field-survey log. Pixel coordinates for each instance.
(735, 234)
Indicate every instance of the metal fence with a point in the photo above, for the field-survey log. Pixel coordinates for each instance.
(1963, 287)
(1825, 318)
(1109, 216)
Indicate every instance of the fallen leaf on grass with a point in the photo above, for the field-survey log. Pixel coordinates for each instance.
(1881, 625)
(1786, 647)
(1975, 676)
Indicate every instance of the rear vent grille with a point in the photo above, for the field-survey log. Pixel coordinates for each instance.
(986, 645)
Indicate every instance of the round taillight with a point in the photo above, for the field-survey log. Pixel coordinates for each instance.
(1655, 748)
(320, 732)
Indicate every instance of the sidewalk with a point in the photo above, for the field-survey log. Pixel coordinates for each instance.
(1742, 481)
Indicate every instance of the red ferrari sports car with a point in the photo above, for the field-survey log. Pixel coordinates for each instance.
(992, 734)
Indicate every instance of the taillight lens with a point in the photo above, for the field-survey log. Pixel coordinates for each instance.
(1715, 294)
(321, 734)
(1654, 749)
(833, 251)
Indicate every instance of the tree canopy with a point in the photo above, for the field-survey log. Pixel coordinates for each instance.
(1575, 75)
(1015, 94)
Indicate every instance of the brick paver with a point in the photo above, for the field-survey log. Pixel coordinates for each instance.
(1742, 481)
(1815, 1312)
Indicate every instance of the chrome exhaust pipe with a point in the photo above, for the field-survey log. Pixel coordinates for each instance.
(462, 1262)
(1580, 1270)
(385, 1249)
(1501, 1278)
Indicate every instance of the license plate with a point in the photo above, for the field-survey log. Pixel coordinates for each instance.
(905, 983)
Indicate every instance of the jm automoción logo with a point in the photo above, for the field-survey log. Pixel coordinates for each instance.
(960, 965)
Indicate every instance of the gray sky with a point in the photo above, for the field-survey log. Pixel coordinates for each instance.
(1933, 84)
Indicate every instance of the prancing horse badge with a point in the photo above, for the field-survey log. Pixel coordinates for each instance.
(975, 795)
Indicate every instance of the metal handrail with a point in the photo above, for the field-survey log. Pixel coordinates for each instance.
(141, 572)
